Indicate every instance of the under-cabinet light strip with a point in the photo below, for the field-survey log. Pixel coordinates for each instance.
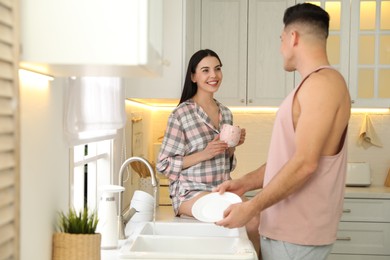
(252, 109)
(371, 110)
(34, 74)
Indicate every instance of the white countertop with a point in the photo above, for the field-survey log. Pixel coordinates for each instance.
(370, 192)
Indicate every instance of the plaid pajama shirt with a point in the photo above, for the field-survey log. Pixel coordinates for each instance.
(188, 131)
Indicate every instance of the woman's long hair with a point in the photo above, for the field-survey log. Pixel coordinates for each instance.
(190, 88)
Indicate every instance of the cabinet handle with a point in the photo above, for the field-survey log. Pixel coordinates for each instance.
(344, 238)
(352, 101)
(242, 100)
(250, 101)
(346, 210)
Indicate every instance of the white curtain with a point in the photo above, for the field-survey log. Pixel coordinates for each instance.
(94, 109)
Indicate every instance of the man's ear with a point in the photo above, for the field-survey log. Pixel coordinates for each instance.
(294, 37)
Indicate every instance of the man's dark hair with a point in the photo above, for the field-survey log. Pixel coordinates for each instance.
(308, 14)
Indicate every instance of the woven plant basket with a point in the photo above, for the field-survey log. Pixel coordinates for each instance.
(76, 246)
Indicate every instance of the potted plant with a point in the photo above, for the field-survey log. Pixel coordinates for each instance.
(76, 238)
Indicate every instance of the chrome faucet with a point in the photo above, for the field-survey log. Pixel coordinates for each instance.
(123, 218)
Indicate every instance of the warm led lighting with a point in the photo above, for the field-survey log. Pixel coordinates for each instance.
(370, 110)
(254, 109)
(35, 76)
(150, 107)
(137, 104)
(170, 106)
(42, 69)
(31, 80)
(157, 102)
(155, 106)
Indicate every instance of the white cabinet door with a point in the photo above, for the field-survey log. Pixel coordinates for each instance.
(169, 84)
(91, 38)
(224, 30)
(370, 53)
(357, 257)
(366, 210)
(364, 230)
(268, 82)
(359, 46)
(363, 238)
(243, 34)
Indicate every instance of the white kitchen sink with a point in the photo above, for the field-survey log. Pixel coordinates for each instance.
(197, 229)
(172, 240)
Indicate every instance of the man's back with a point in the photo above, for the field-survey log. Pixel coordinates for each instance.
(322, 107)
(302, 137)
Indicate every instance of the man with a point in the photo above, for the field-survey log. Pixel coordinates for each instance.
(303, 179)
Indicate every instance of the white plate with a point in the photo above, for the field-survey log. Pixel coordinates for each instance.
(210, 207)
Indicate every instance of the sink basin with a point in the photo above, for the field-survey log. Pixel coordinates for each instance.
(170, 247)
(197, 240)
(197, 229)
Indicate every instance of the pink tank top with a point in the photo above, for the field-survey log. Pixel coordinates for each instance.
(311, 215)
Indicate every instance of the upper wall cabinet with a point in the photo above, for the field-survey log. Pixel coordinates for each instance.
(359, 46)
(268, 82)
(169, 83)
(246, 36)
(92, 37)
(370, 53)
(224, 30)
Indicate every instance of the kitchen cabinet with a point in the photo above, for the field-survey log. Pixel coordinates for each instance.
(364, 230)
(268, 82)
(169, 84)
(359, 46)
(92, 38)
(246, 36)
(370, 53)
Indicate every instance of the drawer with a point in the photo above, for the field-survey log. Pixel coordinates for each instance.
(366, 210)
(362, 238)
(357, 257)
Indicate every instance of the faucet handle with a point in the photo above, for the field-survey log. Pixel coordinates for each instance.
(128, 214)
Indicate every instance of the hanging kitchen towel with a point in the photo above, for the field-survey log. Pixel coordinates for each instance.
(367, 135)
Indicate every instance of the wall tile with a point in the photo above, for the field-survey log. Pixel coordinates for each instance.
(258, 126)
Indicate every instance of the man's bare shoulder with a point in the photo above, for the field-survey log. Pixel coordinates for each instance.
(325, 84)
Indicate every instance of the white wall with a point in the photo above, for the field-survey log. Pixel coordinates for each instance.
(131, 183)
(44, 166)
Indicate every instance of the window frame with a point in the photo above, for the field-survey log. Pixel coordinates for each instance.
(99, 172)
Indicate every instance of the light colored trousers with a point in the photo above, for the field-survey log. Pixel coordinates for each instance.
(279, 250)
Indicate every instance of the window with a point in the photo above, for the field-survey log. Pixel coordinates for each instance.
(94, 111)
(92, 168)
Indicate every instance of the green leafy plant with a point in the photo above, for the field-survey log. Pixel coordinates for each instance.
(81, 222)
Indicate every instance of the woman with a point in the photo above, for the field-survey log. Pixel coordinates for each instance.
(191, 155)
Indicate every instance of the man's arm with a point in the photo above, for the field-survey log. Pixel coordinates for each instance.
(250, 181)
(315, 107)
